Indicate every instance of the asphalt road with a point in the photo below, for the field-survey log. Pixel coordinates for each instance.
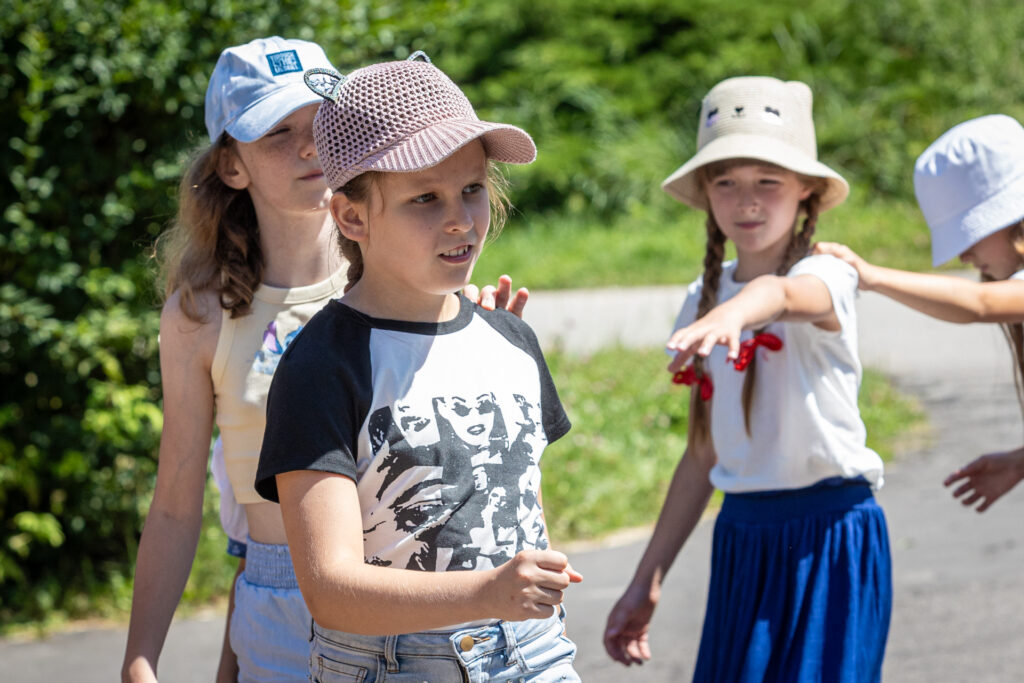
(959, 586)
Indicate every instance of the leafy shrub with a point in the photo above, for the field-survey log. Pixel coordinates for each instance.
(99, 99)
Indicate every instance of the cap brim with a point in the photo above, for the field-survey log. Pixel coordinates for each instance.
(961, 232)
(434, 144)
(684, 184)
(261, 116)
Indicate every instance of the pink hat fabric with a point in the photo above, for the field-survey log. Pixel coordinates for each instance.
(401, 116)
(760, 118)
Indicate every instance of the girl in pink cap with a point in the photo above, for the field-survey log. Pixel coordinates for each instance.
(406, 424)
(970, 187)
(251, 257)
(800, 585)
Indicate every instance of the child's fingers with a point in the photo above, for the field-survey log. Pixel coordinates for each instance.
(971, 499)
(518, 303)
(962, 489)
(503, 291)
(679, 362)
(574, 576)
(638, 649)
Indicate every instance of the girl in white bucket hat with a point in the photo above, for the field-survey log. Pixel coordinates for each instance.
(970, 187)
(788, 449)
(250, 259)
(406, 424)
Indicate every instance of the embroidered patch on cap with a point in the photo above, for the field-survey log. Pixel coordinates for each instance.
(284, 62)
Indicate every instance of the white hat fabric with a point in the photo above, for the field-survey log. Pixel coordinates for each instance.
(970, 183)
(761, 118)
(401, 116)
(255, 85)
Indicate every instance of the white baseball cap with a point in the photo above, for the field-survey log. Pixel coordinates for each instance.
(257, 84)
(970, 183)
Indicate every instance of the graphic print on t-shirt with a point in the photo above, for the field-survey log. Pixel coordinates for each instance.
(457, 478)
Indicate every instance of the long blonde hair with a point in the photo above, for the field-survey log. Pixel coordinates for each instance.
(799, 244)
(358, 190)
(214, 242)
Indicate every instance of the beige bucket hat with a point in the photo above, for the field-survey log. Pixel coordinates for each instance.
(756, 117)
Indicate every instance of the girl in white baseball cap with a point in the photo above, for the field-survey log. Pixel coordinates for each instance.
(800, 566)
(406, 424)
(970, 187)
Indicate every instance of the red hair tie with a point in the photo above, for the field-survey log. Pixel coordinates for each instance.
(747, 348)
(688, 376)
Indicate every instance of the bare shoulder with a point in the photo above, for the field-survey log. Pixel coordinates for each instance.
(183, 337)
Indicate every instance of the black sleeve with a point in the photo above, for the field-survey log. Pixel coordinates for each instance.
(317, 402)
(518, 333)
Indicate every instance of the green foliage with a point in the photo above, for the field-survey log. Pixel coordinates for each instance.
(99, 99)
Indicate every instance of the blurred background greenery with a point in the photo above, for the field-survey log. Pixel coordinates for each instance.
(99, 100)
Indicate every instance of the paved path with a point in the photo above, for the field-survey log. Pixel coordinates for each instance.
(959, 584)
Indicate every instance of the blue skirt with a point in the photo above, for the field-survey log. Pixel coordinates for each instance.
(801, 587)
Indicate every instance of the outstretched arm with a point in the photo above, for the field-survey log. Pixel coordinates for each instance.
(802, 298)
(626, 632)
(952, 299)
(987, 478)
(325, 533)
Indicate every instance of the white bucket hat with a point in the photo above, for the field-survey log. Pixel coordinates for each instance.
(970, 183)
(256, 85)
(401, 116)
(756, 117)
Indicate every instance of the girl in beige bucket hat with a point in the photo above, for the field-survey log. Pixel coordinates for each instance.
(787, 449)
(406, 424)
(970, 187)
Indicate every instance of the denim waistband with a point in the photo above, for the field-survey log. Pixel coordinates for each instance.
(269, 565)
(466, 643)
(835, 494)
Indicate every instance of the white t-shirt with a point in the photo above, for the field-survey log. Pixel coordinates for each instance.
(804, 420)
(1019, 275)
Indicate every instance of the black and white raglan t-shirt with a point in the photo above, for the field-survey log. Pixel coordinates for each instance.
(441, 426)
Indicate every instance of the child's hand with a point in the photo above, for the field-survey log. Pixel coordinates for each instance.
(492, 297)
(626, 633)
(530, 584)
(988, 478)
(700, 337)
(865, 271)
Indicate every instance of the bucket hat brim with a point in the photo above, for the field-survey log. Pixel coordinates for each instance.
(957, 234)
(684, 185)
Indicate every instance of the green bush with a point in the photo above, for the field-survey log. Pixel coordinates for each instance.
(99, 99)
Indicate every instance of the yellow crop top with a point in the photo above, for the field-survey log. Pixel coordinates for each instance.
(248, 350)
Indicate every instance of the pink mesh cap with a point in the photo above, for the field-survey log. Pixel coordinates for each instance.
(400, 116)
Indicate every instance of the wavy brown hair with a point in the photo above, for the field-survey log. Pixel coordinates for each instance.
(799, 245)
(1014, 332)
(214, 242)
(358, 190)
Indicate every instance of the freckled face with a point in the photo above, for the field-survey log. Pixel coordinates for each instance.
(756, 206)
(426, 228)
(994, 255)
(283, 169)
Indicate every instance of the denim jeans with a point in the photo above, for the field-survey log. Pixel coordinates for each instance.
(536, 650)
(270, 627)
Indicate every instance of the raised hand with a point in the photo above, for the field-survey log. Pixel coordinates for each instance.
(491, 297)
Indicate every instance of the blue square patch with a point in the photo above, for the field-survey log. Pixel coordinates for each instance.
(284, 62)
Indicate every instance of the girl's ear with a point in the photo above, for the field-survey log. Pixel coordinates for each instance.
(351, 217)
(231, 170)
